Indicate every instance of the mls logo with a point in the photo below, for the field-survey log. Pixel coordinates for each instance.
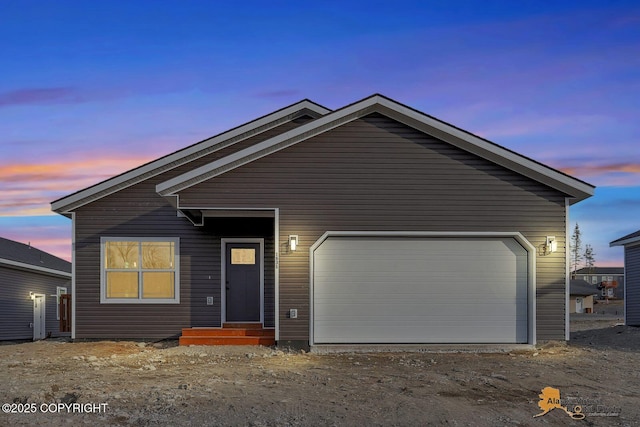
(550, 399)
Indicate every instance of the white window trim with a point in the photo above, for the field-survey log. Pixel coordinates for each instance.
(140, 300)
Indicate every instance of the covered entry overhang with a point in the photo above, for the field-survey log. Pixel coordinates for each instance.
(196, 215)
(422, 288)
(207, 218)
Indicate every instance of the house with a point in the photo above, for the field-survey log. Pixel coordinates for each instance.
(353, 226)
(609, 279)
(581, 296)
(631, 244)
(31, 285)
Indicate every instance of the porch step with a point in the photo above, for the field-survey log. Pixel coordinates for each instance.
(248, 334)
(226, 332)
(242, 325)
(227, 341)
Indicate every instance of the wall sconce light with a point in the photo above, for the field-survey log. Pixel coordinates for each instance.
(551, 245)
(293, 241)
(32, 295)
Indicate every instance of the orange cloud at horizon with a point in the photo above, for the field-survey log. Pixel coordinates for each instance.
(29, 188)
(591, 169)
(606, 175)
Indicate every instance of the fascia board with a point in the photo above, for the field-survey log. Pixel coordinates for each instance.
(625, 242)
(154, 168)
(577, 189)
(34, 268)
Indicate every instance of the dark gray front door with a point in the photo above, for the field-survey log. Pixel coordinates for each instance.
(243, 282)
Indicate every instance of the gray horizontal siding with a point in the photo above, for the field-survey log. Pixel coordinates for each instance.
(632, 277)
(138, 211)
(377, 174)
(16, 308)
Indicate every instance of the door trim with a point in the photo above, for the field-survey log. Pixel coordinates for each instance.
(223, 275)
(43, 320)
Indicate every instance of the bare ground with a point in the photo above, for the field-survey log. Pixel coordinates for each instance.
(164, 384)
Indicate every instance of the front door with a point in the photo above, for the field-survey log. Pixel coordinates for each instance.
(39, 326)
(243, 274)
(578, 305)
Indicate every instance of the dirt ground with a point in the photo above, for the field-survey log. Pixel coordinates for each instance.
(135, 384)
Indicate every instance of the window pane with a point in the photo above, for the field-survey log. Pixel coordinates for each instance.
(157, 255)
(157, 284)
(122, 255)
(243, 256)
(122, 284)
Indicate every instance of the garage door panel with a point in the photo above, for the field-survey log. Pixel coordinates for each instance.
(420, 290)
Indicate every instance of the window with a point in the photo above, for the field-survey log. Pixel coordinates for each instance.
(243, 256)
(594, 280)
(140, 270)
(60, 290)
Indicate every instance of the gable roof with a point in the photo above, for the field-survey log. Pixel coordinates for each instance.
(600, 270)
(26, 257)
(580, 287)
(73, 201)
(578, 190)
(627, 240)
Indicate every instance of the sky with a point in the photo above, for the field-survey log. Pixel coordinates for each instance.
(92, 89)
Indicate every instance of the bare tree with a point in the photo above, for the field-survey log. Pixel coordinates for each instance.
(576, 250)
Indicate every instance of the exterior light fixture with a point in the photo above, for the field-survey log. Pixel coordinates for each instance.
(551, 245)
(293, 241)
(32, 295)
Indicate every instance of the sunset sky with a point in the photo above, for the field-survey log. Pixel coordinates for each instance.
(92, 89)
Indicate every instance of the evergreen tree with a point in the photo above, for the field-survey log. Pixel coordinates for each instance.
(576, 249)
(589, 258)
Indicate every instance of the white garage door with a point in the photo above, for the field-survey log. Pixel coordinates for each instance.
(419, 290)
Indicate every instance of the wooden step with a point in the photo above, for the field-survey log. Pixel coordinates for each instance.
(230, 334)
(240, 325)
(227, 332)
(232, 340)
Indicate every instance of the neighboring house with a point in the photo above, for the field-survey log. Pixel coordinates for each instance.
(31, 283)
(373, 223)
(609, 279)
(582, 294)
(631, 244)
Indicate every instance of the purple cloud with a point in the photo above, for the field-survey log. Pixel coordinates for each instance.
(39, 96)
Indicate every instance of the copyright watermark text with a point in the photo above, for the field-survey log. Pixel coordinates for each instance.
(54, 408)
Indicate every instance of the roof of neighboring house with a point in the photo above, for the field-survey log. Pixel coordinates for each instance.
(601, 270)
(580, 287)
(626, 240)
(323, 120)
(18, 255)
